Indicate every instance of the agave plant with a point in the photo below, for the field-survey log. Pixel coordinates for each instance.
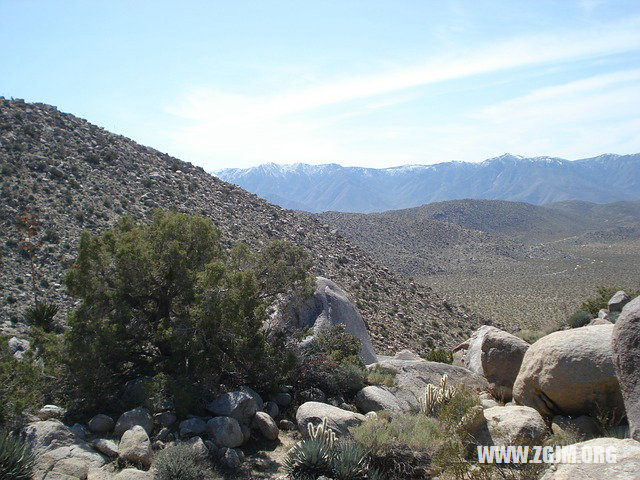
(309, 459)
(350, 462)
(16, 459)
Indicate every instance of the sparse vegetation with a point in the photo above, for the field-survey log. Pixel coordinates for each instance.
(579, 319)
(181, 462)
(379, 375)
(16, 460)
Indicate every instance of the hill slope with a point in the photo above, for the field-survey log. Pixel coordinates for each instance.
(514, 262)
(78, 176)
(540, 180)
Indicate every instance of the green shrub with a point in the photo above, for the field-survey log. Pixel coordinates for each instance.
(381, 376)
(593, 305)
(579, 319)
(166, 298)
(457, 407)
(42, 315)
(181, 462)
(347, 379)
(16, 459)
(440, 355)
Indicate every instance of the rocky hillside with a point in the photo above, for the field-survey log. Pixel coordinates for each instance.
(76, 176)
(539, 180)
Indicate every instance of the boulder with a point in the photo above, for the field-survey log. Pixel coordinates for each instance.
(165, 419)
(570, 373)
(135, 447)
(626, 347)
(413, 374)
(497, 356)
(255, 395)
(515, 425)
(626, 466)
(264, 424)
(51, 411)
(618, 301)
(239, 405)
(101, 424)
(18, 347)
(68, 469)
(229, 458)
(373, 399)
(225, 432)
(198, 446)
(339, 420)
(52, 442)
(103, 473)
(582, 426)
(138, 416)
(282, 399)
(192, 427)
(330, 305)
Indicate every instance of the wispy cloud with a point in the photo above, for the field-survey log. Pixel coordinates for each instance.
(292, 125)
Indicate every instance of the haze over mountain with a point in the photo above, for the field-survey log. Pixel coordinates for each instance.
(540, 180)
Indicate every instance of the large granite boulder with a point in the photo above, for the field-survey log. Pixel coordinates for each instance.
(514, 425)
(330, 305)
(338, 420)
(570, 372)
(626, 466)
(225, 432)
(626, 348)
(57, 448)
(413, 374)
(497, 356)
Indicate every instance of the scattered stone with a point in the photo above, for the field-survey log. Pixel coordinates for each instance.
(263, 423)
(229, 458)
(374, 399)
(339, 420)
(618, 301)
(497, 356)
(18, 347)
(285, 424)
(225, 432)
(271, 409)
(101, 424)
(626, 345)
(570, 373)
(138, 416)
(135, 447)
(164, 435)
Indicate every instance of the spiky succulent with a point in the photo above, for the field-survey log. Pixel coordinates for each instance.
(309, 459)
(16, 459)
(350, 462)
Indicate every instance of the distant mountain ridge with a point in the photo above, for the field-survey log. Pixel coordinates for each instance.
(538, 180)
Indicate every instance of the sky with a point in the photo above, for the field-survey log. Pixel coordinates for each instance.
(365, 83)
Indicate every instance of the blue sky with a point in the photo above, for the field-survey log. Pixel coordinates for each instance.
(370, 83)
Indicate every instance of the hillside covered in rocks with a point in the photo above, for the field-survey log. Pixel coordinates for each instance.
(76, 176)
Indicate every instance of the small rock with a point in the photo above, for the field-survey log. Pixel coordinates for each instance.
(225, 432)
(192, 427)
(198, 446)
(79, 430)
(285, 424)
(282, 399)
(163, 435)
(618, 301)
(230, 459)
(271, 408)
(165, 419)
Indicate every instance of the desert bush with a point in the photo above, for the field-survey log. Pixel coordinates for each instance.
(348, 379)
(181, 462)
(166, 298)
(440, 355)
(458, 406)
(381, 376)
(579, 319)
(16, 459)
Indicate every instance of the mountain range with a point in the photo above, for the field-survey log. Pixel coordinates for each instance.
(540, 180)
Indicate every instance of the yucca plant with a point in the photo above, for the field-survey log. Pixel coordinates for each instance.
(16, 459)
(309, 459)
(350, 462)
(41, 315)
